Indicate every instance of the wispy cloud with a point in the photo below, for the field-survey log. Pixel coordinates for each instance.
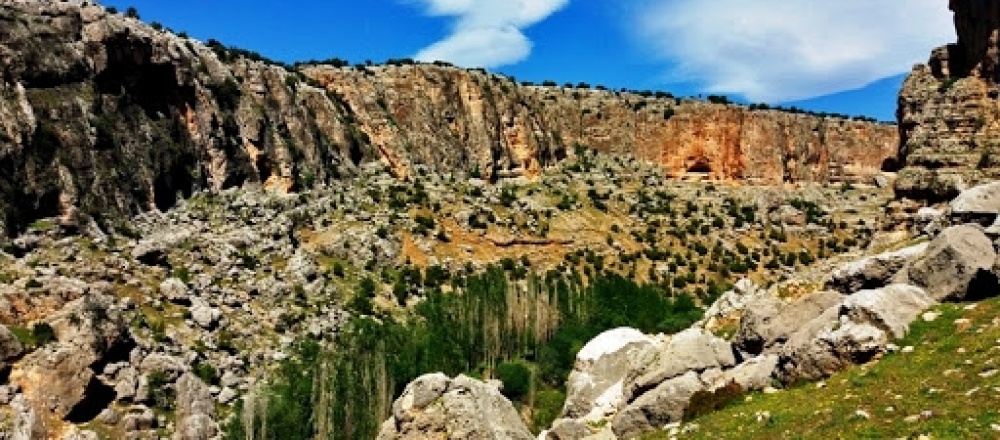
(487, 33)
(782, 50)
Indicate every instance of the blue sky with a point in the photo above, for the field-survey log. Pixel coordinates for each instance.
(848, 56)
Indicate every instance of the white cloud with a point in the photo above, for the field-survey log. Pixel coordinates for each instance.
(783, 50)
(487, 33)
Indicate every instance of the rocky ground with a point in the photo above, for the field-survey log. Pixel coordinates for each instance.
(200, 300)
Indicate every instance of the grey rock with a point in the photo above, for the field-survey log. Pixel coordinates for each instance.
(873, 272)
(754, 374)
(195, 410)
(142, 420)
(768, 325)
(175, 291)
(466, 408)
(204, 315)
(26, 423)
(159, 362)
(595, 386)
(664, 404)
(127, 384)
(80, 435)
(109, 416)
(890, 309)
(226, 396)
(567, 429)
(956, 266)
(693, 349)
(980, 204)
(857, 331)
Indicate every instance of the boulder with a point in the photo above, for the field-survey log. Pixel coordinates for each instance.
(855, 332)
(56, 377)
(872, 272)
(594, 389)
(770, 324)
(175, 291)
(732, 304)
(204, 315)
(436, 406)
(956, 266)
(693, 349)
(890, 309)
(195, 410)
(566, 429)
(979, 204)
(661, 405)
(753, 374)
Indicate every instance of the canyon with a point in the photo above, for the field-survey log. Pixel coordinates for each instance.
(85, 92)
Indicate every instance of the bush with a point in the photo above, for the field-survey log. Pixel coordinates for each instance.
(160, 392)
(704, 402)
(516, 378)
(207, 373)
(42, 333)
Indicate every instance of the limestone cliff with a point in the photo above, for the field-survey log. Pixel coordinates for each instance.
(102, 116)
(949, 115)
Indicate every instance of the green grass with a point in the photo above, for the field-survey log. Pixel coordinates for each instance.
(942, 376)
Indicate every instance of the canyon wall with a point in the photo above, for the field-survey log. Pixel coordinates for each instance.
(103, 116)
(949, 115)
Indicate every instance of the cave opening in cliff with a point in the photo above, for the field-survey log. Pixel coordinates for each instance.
(132, 76)
(890, 165)
(701, 166)
(178, 182)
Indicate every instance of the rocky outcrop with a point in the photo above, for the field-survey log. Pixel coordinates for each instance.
(10, 348)
(195, 410)
(85, 91)
(949, 120)
(61, 380)
(436, 406)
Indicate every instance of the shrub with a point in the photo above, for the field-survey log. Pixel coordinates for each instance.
(704, 402)
(516, 378)
(160, 393)
(206, 372)
(42, 333)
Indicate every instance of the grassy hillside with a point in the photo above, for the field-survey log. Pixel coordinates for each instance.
(948, 386)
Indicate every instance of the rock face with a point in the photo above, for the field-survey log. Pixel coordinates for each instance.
(61, 379)
(949, 120)
(85, 91)
(435, 406)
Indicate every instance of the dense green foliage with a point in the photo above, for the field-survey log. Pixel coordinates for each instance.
(525, 333)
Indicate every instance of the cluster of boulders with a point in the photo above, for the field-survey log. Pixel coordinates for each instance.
(626, 383)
